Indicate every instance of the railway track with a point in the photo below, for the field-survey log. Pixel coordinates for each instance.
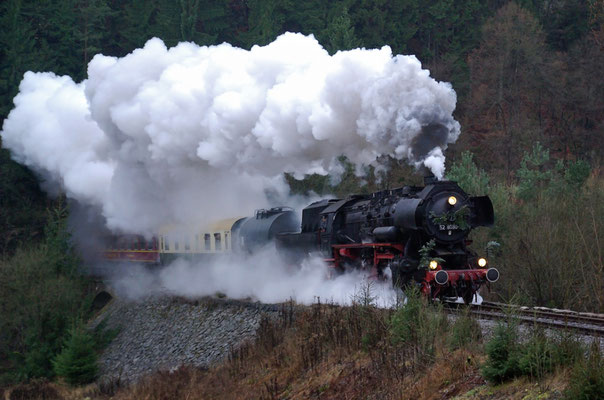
(585, 323)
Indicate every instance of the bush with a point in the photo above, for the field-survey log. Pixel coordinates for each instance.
(537, 357)
(77, 361)
(503, 355)
(587, 378)
(418, 323)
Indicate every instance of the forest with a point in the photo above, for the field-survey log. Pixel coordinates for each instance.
(528, 76)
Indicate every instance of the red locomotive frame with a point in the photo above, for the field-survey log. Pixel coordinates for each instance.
(388, 251)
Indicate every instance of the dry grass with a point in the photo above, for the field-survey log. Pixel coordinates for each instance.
(324, 352)
(327, 352)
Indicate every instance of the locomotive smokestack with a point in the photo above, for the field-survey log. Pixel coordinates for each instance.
(430, 179)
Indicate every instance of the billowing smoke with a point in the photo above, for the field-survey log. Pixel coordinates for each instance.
(263, 276)
(191, 134)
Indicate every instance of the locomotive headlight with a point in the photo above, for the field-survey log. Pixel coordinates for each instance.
(452, 200)
(482, 262)
(433, 264)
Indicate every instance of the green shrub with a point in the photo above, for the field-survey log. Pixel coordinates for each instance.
(587, 378)
(468, 176)
(576, 174)
(418, 323)
(568, 349)
(537, 356)
(533, 173)
(503, 354)
(77, 361)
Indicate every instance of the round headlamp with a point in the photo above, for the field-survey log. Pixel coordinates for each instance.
(433, 264)
(452, 200)
(482, 262)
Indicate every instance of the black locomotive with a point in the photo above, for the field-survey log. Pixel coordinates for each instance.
(419, 234)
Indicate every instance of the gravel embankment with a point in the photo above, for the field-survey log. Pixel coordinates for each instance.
(162, 333)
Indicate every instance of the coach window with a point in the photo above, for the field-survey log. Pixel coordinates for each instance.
(217, 241)
(166, 244)
(187, 243)
(197, 246)
(207, 240)
(176, 245)
(226, 241)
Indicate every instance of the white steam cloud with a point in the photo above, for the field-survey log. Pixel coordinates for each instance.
(192, 133)
(263, 276)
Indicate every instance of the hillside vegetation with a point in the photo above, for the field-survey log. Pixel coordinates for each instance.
(361, 352)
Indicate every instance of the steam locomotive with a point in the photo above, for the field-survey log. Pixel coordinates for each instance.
(417, 233)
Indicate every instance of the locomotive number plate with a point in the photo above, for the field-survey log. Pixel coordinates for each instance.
(448, 227)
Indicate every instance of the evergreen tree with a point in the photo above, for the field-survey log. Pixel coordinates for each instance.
(168, 22)
(265, 21)
(77, 361)
(214, 22)
(91, 28)
(22, 205)
(188, 19)
(17, 51)
(55, 35)
(311, 17)
(137, 24)
(387, 22)
(340, 34)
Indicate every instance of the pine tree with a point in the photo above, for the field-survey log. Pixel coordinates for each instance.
(136, 24)
(17, 51)
(77, 362)
(167, 25)
(265, 21)
(55, 36)
(340, 34)
(188, 18)
(92, 21)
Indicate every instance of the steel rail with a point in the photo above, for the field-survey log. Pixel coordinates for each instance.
(586, 323)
